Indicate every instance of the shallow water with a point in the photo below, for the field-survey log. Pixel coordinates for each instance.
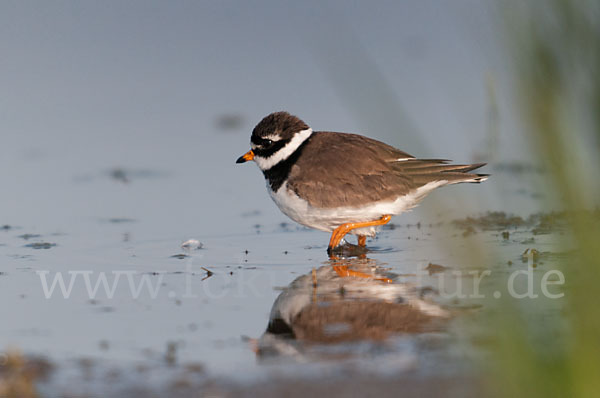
(210, 307)
(107, 168)
(128, 224)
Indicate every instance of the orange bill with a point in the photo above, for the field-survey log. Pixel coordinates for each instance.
(246, 157)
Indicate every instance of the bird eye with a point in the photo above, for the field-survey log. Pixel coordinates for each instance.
(268, 142)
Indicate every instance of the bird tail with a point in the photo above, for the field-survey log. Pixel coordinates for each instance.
(424, 171)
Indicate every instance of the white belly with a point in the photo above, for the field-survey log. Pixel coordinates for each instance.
(327, 220)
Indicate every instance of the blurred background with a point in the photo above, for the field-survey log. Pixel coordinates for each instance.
(89, 87)
(121, 123)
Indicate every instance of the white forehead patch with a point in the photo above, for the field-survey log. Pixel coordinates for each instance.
(285, 152)
(272, 137)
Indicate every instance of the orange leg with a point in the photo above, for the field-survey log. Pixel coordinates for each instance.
(362, 241)
(341, 231)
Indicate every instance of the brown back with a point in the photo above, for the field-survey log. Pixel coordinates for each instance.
(354, 170)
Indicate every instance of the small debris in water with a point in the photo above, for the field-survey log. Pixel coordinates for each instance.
(29, 236)
(21, 256)
(119, 175)
(209, 273)
(120, 220)
(41, 245)
(506, 235)
(229, 121)
(6, 227)
(435, 268)
(192, 244)
(127, 175)
(180, 256)
(530, 253)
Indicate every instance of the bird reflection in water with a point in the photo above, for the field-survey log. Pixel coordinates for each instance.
(346, 301)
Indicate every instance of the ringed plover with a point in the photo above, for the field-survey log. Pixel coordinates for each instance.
(343, 183)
